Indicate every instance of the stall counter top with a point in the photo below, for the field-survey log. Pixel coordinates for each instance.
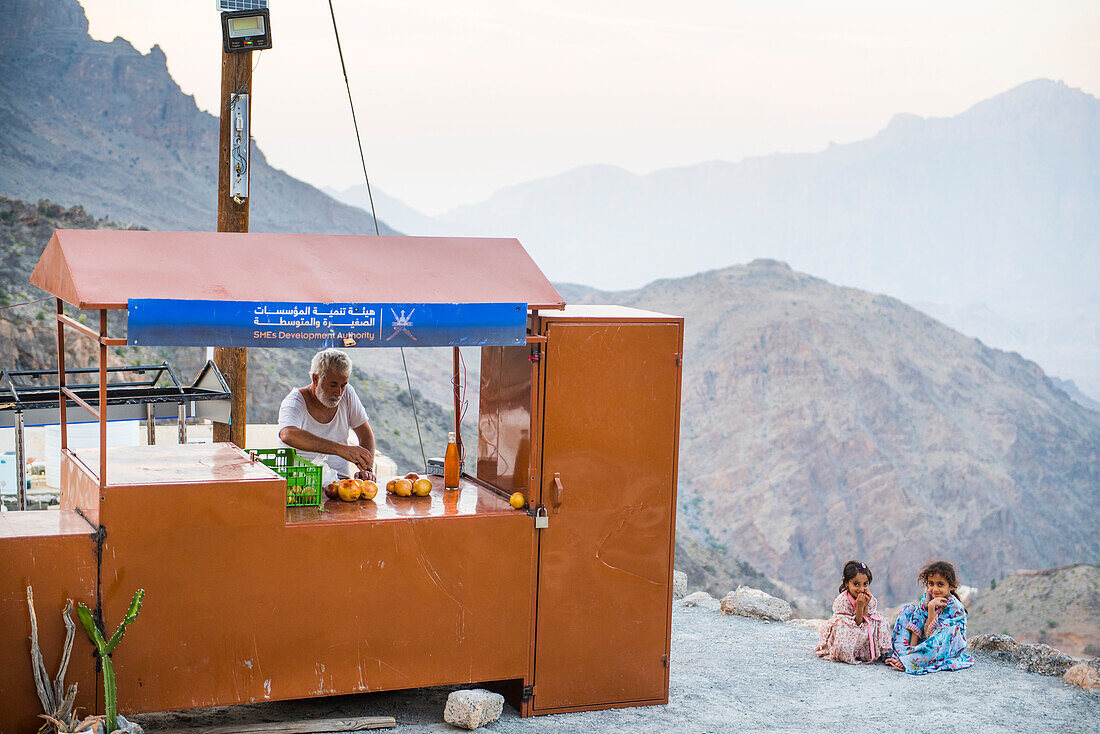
(192, 463)
(468, 500)
(38, 523)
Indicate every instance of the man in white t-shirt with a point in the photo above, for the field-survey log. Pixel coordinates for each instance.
(315, 419)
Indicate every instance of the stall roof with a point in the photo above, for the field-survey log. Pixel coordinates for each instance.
(106, 268)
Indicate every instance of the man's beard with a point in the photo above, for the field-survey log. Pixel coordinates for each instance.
(329, 401)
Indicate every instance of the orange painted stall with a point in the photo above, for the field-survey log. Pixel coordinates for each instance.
(563, 605)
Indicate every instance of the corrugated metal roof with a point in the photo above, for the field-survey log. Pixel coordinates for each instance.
(105, 268)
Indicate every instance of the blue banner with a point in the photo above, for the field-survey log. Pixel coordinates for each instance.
(182, 323)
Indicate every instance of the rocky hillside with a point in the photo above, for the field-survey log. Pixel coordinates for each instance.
(1059, 607)
(101, 125)
(28, 333)
(822, 423)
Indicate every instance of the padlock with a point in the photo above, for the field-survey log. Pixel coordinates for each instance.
(542, 520)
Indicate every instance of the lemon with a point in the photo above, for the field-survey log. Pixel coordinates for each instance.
(517, 500)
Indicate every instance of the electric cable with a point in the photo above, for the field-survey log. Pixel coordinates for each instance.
(26, 303)
(374, 216)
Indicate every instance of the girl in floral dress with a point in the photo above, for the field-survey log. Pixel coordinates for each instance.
(855, 633)
(931, 635)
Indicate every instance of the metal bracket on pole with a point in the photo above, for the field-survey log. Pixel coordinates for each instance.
(238, 148)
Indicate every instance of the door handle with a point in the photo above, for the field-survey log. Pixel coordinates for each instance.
(559, 491)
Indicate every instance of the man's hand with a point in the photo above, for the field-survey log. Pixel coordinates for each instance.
(361, 457)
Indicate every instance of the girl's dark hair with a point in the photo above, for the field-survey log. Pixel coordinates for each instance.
(851, 568)
(943, 568)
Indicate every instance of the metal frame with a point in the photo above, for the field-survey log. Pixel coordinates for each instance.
(208, 396)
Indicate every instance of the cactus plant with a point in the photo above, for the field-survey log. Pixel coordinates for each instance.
(104, 648)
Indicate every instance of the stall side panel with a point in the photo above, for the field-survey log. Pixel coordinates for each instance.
(59, 564)
(610, 424)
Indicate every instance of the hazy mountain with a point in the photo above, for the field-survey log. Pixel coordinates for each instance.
(101, 125)
(822, 423)
(997, 206)
(398, 214)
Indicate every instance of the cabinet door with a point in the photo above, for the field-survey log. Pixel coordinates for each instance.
(609, 434)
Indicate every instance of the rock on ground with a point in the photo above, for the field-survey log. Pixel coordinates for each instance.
(1084, 675)
(700, 599)
(1040, 658)
(473, 708)
(755, 603)
(679, 584)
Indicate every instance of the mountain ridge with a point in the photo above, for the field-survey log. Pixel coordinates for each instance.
(105, 127)
(851, 425)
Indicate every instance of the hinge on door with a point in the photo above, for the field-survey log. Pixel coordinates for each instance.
(664, 660)
(679, 360)
(528, 693)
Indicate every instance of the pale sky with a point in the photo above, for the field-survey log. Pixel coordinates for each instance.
(457, 99)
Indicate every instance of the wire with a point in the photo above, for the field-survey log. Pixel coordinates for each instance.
(351, 104)
(26, 303)
(247, 83)
(415, 418)
(374, 216)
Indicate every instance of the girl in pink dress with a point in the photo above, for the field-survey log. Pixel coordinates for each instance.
(855, 633)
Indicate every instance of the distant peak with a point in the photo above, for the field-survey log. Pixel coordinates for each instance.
(764, 263)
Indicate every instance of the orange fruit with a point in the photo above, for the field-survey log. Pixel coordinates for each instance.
(403, 488)
(422, 487)
(348, 489)
(412, 476)
(517, 500)
(368, 489)
(389, 485)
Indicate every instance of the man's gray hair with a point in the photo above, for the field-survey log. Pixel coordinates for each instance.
(330, 361)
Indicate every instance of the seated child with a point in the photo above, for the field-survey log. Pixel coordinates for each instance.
(931, 634)
(855, 633)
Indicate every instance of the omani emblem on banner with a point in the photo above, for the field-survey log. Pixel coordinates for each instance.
(402, 323)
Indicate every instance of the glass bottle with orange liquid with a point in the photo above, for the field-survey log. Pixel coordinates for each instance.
(451, 463)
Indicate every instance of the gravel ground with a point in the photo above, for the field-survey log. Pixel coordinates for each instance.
(732, 673)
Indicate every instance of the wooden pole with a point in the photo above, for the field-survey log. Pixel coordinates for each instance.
(62, 401)
(102, 398)
(232, 217)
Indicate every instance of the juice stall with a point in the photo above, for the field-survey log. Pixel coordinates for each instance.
(562, 605)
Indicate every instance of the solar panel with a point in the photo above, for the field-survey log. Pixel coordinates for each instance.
(228, 6)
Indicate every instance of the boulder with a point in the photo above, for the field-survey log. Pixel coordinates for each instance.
(755, 603)
(702, 600)
(1084, 674)
(472, 708)
(1038, 658)
(679, 584)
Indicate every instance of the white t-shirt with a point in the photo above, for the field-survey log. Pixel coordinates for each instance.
(349, 414)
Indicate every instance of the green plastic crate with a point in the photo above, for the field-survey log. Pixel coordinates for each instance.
(303, 479)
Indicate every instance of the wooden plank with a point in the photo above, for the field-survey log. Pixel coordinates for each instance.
(360, 723)
(79, 401)
(77, 326)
